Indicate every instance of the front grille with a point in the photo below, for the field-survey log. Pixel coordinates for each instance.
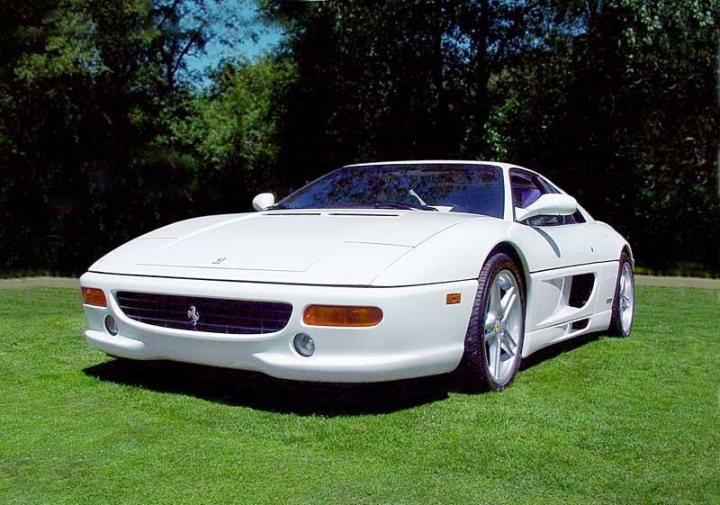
(214, 315)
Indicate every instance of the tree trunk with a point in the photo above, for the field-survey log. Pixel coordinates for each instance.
(482, 77)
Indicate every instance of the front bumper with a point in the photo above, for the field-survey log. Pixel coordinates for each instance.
(419, 335)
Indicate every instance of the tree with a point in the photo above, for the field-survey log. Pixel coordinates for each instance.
(231, 131)
(86, 90)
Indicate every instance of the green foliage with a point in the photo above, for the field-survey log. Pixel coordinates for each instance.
(238, 116)
(69, 48)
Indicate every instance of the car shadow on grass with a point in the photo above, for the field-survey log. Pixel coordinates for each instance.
(259, 391)
(550, 352)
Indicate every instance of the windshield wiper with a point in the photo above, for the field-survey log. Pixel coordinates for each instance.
(371, 205)
(403, 206)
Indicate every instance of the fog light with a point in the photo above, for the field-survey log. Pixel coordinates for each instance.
(111, 325)
(304, 345)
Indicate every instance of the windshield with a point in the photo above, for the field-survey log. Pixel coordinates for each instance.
(477, 189)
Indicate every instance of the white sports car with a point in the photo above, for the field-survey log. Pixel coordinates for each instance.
(373, 272)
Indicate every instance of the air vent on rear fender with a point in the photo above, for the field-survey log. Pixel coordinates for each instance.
(582, 286)
(579, 325)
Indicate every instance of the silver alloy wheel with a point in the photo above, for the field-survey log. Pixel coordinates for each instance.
(627, 298)
(503, 323)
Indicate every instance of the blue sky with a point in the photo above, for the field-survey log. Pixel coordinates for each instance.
(239, 43)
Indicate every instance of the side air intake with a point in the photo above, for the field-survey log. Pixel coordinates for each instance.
(580, 290)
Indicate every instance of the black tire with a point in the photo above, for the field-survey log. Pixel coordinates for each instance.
(616, 326)
(474, 371)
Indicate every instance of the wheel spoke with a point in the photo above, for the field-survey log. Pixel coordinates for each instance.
(507, 298)
(490, 335)
(625, 283)
(510, 339)
(508, 303)
(497, 359)
(495, 298)
(489, 355)
(508, 350)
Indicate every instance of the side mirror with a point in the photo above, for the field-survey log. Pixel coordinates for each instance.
(549, 204)
(263, 201)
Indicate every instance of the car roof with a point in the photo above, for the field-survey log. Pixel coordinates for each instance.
(427, 162)
(500, 164)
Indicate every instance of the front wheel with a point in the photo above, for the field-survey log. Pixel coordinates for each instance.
(495, 335)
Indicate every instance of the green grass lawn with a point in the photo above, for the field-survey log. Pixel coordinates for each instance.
(606, 421)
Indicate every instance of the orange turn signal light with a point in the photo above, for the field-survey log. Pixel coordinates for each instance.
(94, 296)
(339, 315)
(453, 298)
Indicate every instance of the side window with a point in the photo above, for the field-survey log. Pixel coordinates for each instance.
(575, 218)
(526, 188)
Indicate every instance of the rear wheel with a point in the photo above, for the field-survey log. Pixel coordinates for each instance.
(623, 309)
(495, 335)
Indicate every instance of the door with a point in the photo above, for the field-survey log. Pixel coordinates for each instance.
(564, 260)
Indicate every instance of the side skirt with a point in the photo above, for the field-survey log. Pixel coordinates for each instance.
(568, 302)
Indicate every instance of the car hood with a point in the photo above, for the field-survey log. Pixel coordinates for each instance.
(337, 247)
